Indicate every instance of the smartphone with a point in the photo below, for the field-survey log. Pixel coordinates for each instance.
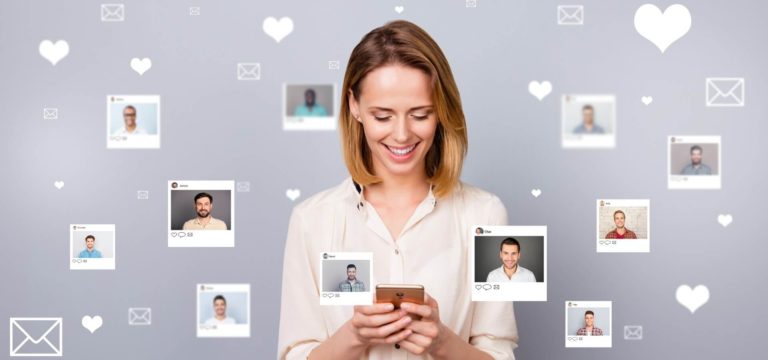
(398, 293)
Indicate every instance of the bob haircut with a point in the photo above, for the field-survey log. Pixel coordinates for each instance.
(404, 43)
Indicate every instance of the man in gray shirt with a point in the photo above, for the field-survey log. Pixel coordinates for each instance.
(696, 167)
(588, 125)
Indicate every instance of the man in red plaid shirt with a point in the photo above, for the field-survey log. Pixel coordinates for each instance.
(589, 329)
(620, 232)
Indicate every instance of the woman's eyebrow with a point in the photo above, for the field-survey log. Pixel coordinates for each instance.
(427, 107)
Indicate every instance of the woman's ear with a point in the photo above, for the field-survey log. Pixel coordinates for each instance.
(354, 108)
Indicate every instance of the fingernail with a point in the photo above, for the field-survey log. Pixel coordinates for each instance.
(405, 306)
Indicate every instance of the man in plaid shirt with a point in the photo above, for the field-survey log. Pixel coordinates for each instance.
(589, 329)
(352, 284)
(620, 232)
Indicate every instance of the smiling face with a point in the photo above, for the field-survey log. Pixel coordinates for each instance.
(618, 219)
(90, 243)
(203, 206)
(129, 116)
(220, 307)
(589, 320)
(351, 274)
(399, 123)
(509, 255)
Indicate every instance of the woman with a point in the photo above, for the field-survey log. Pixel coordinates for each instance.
(404, 140)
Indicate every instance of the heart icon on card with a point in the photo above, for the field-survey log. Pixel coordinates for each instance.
(662, 29)
(692, 299)
(92, 323)
(58, 184)
(54, 52)
(399, 9)
(278, 30)
(141, 65)
(646, 100)
(725, 219)
(293, 194)
(540, 89)
(478, 286)
(536, 192)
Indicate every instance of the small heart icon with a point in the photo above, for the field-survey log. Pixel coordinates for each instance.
(278, 30)
(540, 89)
(662, 29)
(725, 219)
(173, 234)
(399, 9)
(92, 323)
(293, 194)
(141, 65)
(646, 100)
(536, 192)
(692, 299)
(54, 52)
(478, 286)
(58, 184)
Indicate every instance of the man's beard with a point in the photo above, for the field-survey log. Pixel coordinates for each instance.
(203, 214)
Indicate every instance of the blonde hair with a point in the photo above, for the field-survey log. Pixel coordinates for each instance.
(404, 43)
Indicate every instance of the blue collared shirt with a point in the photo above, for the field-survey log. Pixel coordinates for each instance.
(304, 110)
(696, 170)
(581, 129)
(90, 254)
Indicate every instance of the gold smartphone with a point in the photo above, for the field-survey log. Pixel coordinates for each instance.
(399, 293)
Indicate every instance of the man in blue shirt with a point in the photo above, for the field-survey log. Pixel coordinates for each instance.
(696, 167)
(310, 107)
(588, 125)
(90, 252)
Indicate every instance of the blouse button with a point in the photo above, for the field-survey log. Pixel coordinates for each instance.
(397, 252)
(397, 346)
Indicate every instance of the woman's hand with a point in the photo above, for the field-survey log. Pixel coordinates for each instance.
(428, 333)
(379, 324)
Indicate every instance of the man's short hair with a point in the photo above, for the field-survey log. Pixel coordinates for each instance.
(90, 237)
(509, 241)
(219, 297)
(202, 195)
(351, 266)
(587, 107)
(129, 107)
(589, 312)
(310, 91)
(619, 212)
(696, 147)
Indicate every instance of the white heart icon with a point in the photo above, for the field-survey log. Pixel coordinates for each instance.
(141, 65)
(293, 194)
(662, 29)
(54, 52)
(58, 184)
(278, 30)
(692, 299)
(399, 9)
(725, 219)
(92, 323)
(540, 89)
(536, 192)
(646, 100)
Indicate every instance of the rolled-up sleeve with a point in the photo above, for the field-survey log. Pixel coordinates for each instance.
(494, 329)
(301, 321)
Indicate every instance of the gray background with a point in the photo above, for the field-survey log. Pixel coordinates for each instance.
(215, 127)
(487, 255)
(183, 206)
(680, 156)
(575, 316)
(105, 242)
(335, 271)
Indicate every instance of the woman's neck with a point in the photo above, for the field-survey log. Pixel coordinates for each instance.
(398, 189)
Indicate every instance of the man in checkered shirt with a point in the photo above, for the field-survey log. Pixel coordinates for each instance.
(590, 329)
(352, 284)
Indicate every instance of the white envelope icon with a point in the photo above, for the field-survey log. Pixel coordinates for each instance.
(248, 71)
(112, 12)
(50, 113)
(36, 336)
(633, 332)
(725, 92)
(570, 15)
(139, 316)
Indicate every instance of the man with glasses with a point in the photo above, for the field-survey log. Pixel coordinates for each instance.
(130, 127)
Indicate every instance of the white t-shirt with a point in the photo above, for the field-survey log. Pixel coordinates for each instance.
(214, 321)
(136, 131)
(521, 275)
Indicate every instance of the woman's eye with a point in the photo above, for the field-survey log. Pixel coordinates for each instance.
(382, 118)
(420, 117)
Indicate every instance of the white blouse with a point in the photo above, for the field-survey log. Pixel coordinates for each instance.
(432, 250)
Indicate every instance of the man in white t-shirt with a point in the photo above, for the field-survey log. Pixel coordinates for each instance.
(510, 270)
(220, 309)
(129, 119)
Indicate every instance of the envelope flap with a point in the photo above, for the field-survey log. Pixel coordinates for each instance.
(34, 327)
